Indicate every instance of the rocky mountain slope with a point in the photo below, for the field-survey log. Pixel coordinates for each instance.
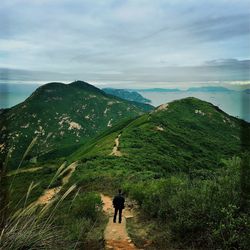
(59, 115)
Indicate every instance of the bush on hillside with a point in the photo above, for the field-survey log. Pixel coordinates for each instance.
(202, 212)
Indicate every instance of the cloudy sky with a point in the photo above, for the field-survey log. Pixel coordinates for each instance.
(125, 42)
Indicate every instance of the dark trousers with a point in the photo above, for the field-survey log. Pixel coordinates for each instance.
(120, 214)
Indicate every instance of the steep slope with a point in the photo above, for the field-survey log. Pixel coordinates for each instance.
(60, 115)
(184, 135)
(127, 95)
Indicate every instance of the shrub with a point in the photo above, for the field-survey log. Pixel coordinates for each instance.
(88, 205)
(202, 211)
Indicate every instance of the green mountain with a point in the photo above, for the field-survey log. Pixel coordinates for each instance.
(179, 136)
(173, 162)
(59, 116)
(127, 95)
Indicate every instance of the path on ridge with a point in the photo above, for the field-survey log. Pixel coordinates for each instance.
(116, 150)
(116, 235)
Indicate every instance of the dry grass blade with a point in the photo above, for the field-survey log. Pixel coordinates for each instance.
(77, 193)
(30, 227)
(25, 154)
(31, 187)
(58, 172)
(59, 202)
(28, 150)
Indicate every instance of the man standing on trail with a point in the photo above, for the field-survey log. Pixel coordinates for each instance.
(118, 203)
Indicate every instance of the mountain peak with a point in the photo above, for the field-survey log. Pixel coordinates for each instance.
(84, 85)
(62, 115)
(51, 85)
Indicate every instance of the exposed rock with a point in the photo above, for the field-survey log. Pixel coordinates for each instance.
(74, 125)
(159, 128)
(197, 111)
(162, 107)
(2, 146)
(109, 123)
(25, 126)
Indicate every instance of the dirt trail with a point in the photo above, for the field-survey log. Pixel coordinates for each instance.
(116, 151)
(49, 194)
(115, 234)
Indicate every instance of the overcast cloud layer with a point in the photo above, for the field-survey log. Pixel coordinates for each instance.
(123, 42)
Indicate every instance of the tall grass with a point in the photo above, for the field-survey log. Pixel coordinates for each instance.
(31, 226)
(31, 145)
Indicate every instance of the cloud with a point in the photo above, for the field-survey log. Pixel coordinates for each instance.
(221, 27)
(126, 40)
(213, 71)
(229, 62)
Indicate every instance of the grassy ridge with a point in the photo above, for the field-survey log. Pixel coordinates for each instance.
(187, 135)
(172, 165)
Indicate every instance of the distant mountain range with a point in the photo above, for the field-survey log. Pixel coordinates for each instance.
(193, 89)
(206, 89)
(210, 89)
(158, 90)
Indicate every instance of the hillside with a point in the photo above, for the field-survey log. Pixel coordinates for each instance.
(175, 167)
(178, 164)
(59, 116)
(182, 135)
(127, 95)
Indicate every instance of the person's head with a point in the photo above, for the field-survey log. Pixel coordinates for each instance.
(119, 191)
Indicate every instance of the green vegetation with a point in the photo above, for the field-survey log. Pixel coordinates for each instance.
(203, 213)
(182, 163)
(21, 182)
(62, 117)
(73, 220)
(82, 220)
(188, 135)
(32, 227)
(172, 165)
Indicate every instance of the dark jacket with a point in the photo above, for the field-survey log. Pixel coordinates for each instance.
(118, 201)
